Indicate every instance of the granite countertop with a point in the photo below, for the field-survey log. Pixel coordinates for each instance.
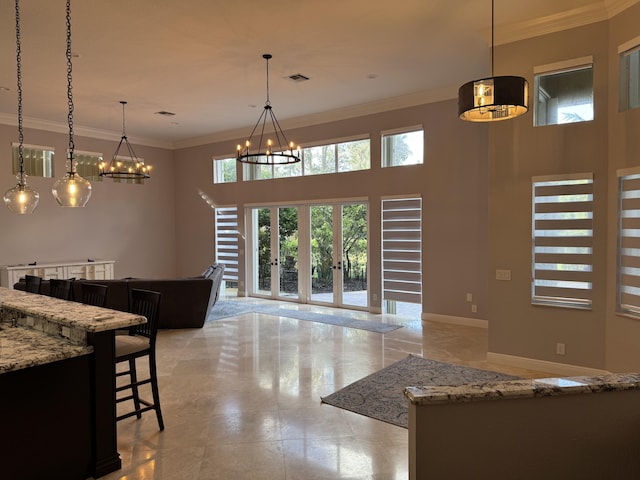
(541, 387)
(23, 348)
(69, 314)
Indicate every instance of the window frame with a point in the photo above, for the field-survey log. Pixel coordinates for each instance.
(386, 148)
(565, 250)
(218, 172)
(626, 222)
(624, 97)
(562, 67)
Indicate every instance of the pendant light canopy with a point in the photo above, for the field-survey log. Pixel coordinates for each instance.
(21, 198)
(71, 190)
(259, 150)
(494, 98)
(132, 169)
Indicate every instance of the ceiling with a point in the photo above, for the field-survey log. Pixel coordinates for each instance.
(202, 59)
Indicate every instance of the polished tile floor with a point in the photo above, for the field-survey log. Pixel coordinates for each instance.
(241, 398)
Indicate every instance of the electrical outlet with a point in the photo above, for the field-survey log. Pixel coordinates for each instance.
(469, 297)
(503, 274)
(560, 350)
(375, 297)
(474, 308)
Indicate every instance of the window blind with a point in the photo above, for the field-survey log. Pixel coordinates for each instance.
(629, 243)
(563, 240)
(402, 249)
(226, 221)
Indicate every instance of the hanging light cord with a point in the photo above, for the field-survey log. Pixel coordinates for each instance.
(492, 39)
(19, 85)
(69, 92)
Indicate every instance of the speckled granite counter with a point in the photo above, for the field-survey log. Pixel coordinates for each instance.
(36, 329)
(22, 348)
(542, 387)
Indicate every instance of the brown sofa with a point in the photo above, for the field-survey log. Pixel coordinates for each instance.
(185, 302)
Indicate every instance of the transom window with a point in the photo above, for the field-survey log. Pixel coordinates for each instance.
(343, 156)
(564, 92)
(38, 161)
(224, 170)
(88, 165)
(403, 147)
(563, 240)
(629, 74)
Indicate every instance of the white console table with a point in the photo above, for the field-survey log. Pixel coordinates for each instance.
(96, 270)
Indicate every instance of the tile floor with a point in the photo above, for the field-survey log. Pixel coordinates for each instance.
(241, 399)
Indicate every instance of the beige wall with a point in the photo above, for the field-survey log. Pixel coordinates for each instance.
(622, 333)
(452, 183)
(131, 224)
(518, 151)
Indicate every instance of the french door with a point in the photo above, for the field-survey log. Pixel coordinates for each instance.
(275, 243)
(310, 253)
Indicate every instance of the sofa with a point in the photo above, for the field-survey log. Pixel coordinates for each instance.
(185, 302)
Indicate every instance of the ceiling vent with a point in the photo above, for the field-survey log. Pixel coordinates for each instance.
(164, 113)
(298, 77)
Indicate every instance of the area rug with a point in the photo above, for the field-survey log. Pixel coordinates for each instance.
(225, 309)
(381, 394)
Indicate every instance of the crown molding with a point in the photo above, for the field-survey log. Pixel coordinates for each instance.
(577, 17)
(57, 127)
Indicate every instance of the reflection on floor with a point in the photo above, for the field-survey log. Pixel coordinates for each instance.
(241, 398)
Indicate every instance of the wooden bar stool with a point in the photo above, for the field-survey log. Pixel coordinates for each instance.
(140, 342)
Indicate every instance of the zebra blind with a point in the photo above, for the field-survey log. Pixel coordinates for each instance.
(563, 240)
(226, 221)
(402, 249)
(629, 242)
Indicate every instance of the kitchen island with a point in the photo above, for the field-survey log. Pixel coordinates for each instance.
(57, 387)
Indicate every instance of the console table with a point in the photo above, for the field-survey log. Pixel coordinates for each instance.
(91, 270)
(57, 378)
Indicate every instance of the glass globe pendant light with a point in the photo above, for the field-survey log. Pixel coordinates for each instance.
(21, 198)
(71, 190)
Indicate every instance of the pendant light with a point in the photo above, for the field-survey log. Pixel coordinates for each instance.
(132, 169)
(494, 98)
(268, 153)
(71, 190)
(21, 198)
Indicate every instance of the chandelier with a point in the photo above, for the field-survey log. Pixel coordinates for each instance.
(494, 98)
(261, 150)
(117, 168)
(21, 198)
(71, 190)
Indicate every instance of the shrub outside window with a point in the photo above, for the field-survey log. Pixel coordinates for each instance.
(564, 95)
(224, 170)
(403, 148)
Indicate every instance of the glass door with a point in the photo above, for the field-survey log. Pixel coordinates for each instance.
(339, 254)
(275, 252)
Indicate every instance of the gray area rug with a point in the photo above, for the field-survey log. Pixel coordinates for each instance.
(224, 309)
(381, 394)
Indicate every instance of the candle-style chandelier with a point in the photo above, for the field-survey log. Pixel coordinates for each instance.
(259, 149)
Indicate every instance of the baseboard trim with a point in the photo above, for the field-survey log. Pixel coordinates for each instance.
(469, 322)
(543, 365)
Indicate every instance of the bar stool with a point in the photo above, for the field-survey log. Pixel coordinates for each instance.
(94, 294)
(33, 283)
(60, 288)
(141, 342)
